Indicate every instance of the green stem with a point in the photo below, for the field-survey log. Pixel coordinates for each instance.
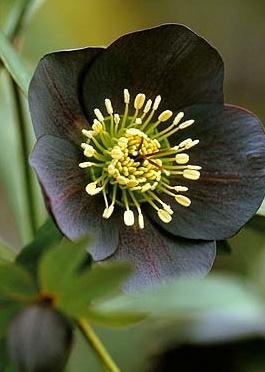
(97, 345)
(29, 189)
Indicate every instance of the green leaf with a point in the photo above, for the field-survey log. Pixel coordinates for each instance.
(113, 319)
(16, 283)
(59, 264)
(14, 64)
(261, 210)
(191, 298)
(7, 253)
(90, 286)
(46, 236)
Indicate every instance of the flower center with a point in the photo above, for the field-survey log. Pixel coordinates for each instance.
(131, 162)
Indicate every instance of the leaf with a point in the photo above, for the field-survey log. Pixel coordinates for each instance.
(97, 282)
(190, 298)
(14, 64)
(16, 283)
(7, 253)
(60, 264)
(113, 319)
(261, 210)
(46, 236)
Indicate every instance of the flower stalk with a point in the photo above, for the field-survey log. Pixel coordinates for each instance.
(97, 345)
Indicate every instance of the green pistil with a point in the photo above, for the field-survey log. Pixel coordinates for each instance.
(130, 161)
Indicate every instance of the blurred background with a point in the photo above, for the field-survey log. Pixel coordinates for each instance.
(235, 27)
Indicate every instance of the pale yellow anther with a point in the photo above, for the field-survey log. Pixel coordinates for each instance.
(111, 170)
(191, 174)
(136, 132)
(165, 115)
(99, 115)
(185, 143)
(97, 126)
(178, 117)
(108, 211)
(139, 101)
(147, 106)
(126, 96)
(88, 133)
(146, 187)
(116, 118)
(181, 188)
(116, 153)
(183, 200)
(122, 180)
(89, 150)
(156, 103)
(132, 183)
(164, 215)
(108, 106)
(85, 164)
(186, 124)
(128, 217)
(141, 221)
(192, 144)
(195, 167)
(167, 208)
(182, 158)
(122, 142)
(92, 188)
(138, 121)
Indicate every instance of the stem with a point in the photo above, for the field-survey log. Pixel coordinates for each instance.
(29, 193)
(97, 345)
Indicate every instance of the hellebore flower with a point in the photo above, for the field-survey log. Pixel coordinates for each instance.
(135, 146)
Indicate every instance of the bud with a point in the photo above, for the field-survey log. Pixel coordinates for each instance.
(39, 339)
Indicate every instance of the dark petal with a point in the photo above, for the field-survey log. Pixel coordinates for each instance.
(169, 60)
(157, 255)
(76, 213)
(54, 93)
(232, 183)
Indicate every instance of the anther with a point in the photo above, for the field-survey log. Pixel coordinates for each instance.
(92, 188)
(157, 102)
(177, 119)
(191, 174)
(139, 101)
(147, 106)
(128, 217)
(165, 115)
(108, 106)
(183, 200)
(99, 115)
(116, 118)
(164, 215)
(126, 96)
(182, 158)
(186, 124)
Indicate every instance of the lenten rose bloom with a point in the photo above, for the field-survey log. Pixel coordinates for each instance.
(136, 147)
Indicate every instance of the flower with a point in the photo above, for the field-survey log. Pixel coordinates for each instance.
(135, 146)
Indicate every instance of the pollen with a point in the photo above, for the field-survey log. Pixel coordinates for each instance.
(131, 162)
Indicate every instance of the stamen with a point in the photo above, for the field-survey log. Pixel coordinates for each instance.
(108, 106)
(183, 200)
(164, 215)
(99, 115)
(139, 101)
(165, 115)
(133, 161)
(182, 158)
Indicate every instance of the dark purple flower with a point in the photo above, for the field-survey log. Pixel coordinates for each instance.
(136, 147)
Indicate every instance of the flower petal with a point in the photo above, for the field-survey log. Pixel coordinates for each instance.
(232, 183)
(157, 255)
(169, 60)
(76, 213)
(54, 93)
